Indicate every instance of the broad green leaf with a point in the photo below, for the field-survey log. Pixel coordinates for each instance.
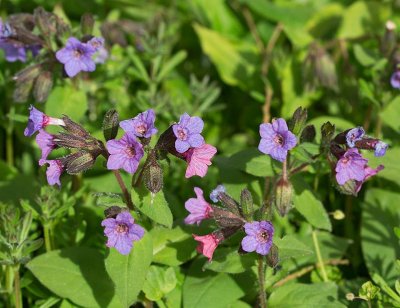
(380, 245)
(208, 289)
(67, 100)
(390, 114)
(153, 206)
(172, 246)
(290, 247)
(305, 295)
(128, 272)
(326, 20)
(227, 261)
(75, 273)
(159, 282)
(364, 56)
(230, 58)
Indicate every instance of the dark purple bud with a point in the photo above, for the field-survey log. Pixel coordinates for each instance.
(110, 124)
(113, 211)
(308, 134)
(87, 23)
(43, 86)
(226, 219)
(153, 174)
(78, 162)
(377, 145)
(283, 196)
(74, 128)
(327, 132)
(70, 141)
(298, 121)
(246, 203)
(166, 144)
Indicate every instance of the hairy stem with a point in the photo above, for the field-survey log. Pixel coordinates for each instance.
(17, 289)
(261, 282)
(125, 191)
(319, 256)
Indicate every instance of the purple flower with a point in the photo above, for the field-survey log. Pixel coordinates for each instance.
(13, 51)
(96, 43)
(142, 125)
(198, 207)
(122, 232)
(380, 148)
(354, 135)
(38, 120)
(395, 80)
(45, 142)
(124, 153)
(76, 56)
(259, 237)
(369, 172)
(187, 133)
(276, 139)
(351, 166)
(54, 170)
(215, 193)
(101, 54)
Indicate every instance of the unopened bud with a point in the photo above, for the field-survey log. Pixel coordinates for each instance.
(113, 211)
(45, 21)
(153, 175)
(228, 202)
(43, 86)
(326, 72)
(22, 91)
(70, 141)
(348, 188)
(308, 134)
(166, 144)
(389, 39)
(298, 120)
(283, 196)
(74, 128)
(110, 124)
(87, 23)
(226, 219)
(327, 132)
(246, 202)
(350, 296)
(273, 256)
(338, 215)
(29, 73)
(78, 162)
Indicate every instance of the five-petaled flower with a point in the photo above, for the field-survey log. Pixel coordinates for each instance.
(207, 244)
(54, 170)
(276, 139)
(354, 135)
(38, 120)
(45, 142)
(198, 207)
(199, 159)
(187, 133)
(124, 153)
(122, 232)
(259, 237)
(351, 166)
(142, 125)
(76, 56)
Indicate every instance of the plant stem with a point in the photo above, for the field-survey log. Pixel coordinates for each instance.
(9, 149)
(47, 238)
(9, 279)
(17, 289)
(125, 191)
(261, 282)
(319, 257)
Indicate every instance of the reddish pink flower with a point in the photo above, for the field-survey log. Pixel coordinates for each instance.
(207, 244)
(199, 159)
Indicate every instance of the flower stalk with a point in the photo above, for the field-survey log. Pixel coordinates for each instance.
(319, 256)
(261, 282)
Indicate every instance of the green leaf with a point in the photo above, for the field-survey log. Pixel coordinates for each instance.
(227, 261)
(172, 246)
(230, 58)
(66, 100)
(153, 206)
(340, 124)
(75, 273)
(305, 295)
(159, 282)
(290, 247)
(379, 243)
(207, 289)
(364, 56)
(389, 114)
(171, 64)
(128, 272)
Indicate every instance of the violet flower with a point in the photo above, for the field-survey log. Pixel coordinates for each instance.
(45, 142)
(54, 170)
(207, 244)
(354, 135)
(38, 120)
(350, 167)
(199, 159)
(198, 207)
(380, 148)
(101, 54)
(276, 139)
(124, 153)
(215, 193)
(259, 237)
(369, 172)
(76, 56)
(395, 80)
(187, 132)
(122, 232)
(14, 50)
(142, 125)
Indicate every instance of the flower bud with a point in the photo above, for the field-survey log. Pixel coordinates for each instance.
(349, 188)
(87, 23)
(298, 121)
(45, 21)
(273, 256)
(327, 132)
(226, 219)
(113, 211)
(389, 39)
(110, 124)
(29, 73)
(283, 196)
(69, 141)
(74, 128)
(153, 174)
(246, 202)
(166, 144)
(219, 194)
(350, 296)
(78, 162)
(338, 215)
(43, 86)
(308, 134)
(22, 90)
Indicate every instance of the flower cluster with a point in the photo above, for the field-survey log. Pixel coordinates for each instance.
(352, 168)
(229, 220)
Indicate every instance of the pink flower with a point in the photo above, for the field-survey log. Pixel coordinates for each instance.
(207, 244)
(198, 207)
(369, 172)
(199, 159)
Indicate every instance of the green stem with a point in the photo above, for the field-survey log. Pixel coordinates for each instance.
(47, 238)
(17, 289)
(261, 282)
(125, 191)
(319, 257)
(9, 279)
(9, 149)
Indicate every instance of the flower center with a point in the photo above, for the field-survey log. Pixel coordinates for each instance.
(141, 128)
(121, 228)
(278, 139)
(78, 53)
(263, 236)
(130, 151)
(182, 135)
